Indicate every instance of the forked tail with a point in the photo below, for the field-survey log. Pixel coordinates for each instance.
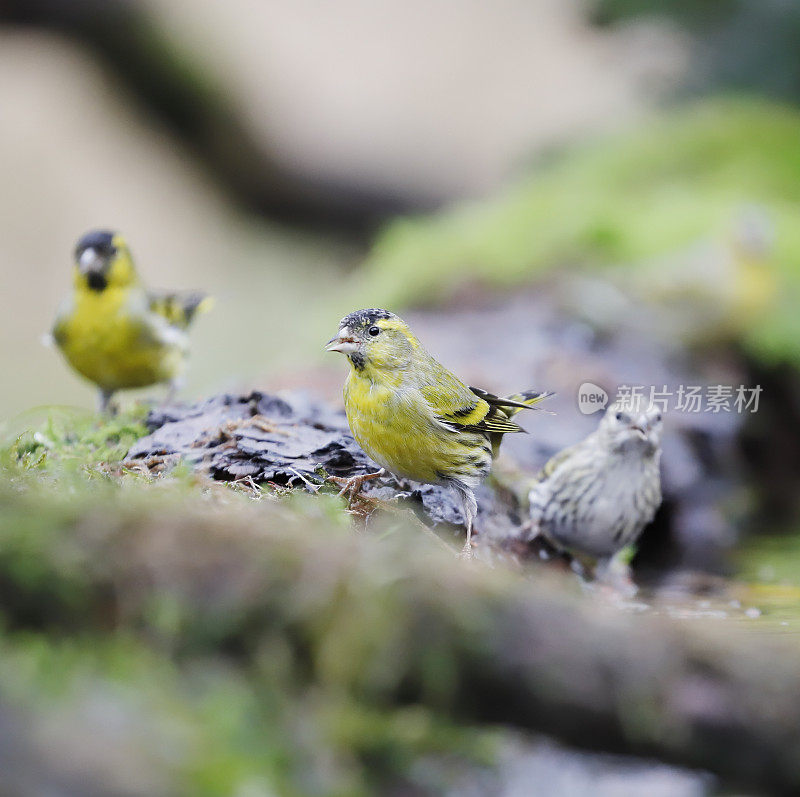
(511, 405)
(528, 399)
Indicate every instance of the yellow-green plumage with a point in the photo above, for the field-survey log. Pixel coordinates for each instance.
(398, 430)
(411, 415)
(111, 330)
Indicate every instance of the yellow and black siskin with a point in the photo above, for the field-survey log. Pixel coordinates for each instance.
(415, 418)
(112, 330)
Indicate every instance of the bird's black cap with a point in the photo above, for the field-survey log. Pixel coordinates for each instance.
(99, 240)
(364, 318)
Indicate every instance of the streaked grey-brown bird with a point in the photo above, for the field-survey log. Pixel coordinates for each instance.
(594, 498)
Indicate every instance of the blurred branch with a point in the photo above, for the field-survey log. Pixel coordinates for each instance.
(395, 621)
(177, 90)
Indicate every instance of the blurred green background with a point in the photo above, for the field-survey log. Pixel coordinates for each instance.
(256, 150)
(264, 152)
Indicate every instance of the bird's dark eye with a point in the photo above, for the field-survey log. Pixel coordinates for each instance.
(658, 417)
(374, 331)
(619, 416)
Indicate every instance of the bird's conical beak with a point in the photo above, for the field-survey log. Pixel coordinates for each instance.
(90, 261)
(344, 342)
(640, 429)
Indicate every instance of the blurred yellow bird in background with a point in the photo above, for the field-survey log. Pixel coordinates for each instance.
(709, 293)
(112, 330)
(718, 288)
(415, 418)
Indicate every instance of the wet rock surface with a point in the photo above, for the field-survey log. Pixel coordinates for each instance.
(280, 440)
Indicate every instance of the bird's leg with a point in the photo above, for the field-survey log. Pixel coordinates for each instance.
(529, 530)
(466, 551)
(173, 386)
(352, 486)
(470, 508)
(104, 402)
(615, 573)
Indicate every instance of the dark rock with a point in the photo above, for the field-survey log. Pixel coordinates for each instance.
(269, 438)
(290, 440)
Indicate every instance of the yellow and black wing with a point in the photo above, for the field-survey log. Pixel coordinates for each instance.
(464, 409)
(179, 309)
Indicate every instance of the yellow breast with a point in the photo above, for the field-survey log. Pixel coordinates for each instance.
(396, 428)
(113, 340)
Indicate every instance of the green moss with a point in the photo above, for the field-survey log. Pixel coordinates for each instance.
(204, 660)
(64, 438)
(773, 560)
(393, 740)
(199, 726)
(188, 634)
(678, 178)
(197, 658)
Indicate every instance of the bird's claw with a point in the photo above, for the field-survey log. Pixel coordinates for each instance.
(466, 553)
(528, 530)
(352, 486)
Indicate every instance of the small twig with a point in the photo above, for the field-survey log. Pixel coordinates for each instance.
(314, 488)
